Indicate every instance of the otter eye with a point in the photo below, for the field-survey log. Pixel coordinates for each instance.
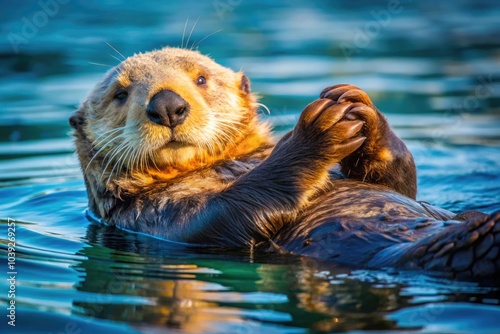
(201, 80)
(121, 95)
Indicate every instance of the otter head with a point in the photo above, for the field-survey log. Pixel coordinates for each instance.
(163, 113)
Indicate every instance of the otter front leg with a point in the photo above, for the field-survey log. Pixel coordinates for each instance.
(261, 202)
(383, 158)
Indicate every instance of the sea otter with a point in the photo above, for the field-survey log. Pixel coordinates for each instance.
(170, 144)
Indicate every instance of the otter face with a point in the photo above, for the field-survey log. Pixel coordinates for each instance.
(170, 107)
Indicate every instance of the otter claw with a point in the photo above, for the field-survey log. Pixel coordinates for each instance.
(350, 146)
(346, 93)
(327, 93)
(351, 116)
(349, 128)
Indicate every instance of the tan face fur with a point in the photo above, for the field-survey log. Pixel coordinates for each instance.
(116, 138)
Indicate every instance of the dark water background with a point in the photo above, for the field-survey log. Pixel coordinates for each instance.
(433, 67)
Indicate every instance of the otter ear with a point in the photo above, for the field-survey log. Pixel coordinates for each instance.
(76, 121)
(244, 83)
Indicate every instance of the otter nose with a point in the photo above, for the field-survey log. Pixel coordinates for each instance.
(167, 108)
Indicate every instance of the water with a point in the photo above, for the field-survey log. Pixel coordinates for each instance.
(432, 67)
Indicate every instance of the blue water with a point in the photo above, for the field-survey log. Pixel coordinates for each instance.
(432, 67)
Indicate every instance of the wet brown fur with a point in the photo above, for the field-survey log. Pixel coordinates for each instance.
(219, 179)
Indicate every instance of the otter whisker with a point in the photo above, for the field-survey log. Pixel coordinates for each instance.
(231, 122)
(93, 157)
(192, 29)
(198, 43)
(210, 145)
(219, 145)
(107, 134)
(120, 163)
(222, 135)
(265, 107)
(200, 145)
(153, 157)
(112, 148)
(99, 139)
(184, 32)
(205, 144)
(124, 152)
(121, 55)
(229, 131)
(141, 157)
(136, 160)
(231, 135)
(102, 148)
(104, 170)
(229, 118)
(225, 116)
(126, 159)
(148, 155)
(231, 126)
(119, 60)
(131, 159)
(117, 150)
(110, 141)
(129, 162)
(99, 64)
(222, 139)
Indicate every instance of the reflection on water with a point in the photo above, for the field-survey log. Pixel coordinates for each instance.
(432, 67)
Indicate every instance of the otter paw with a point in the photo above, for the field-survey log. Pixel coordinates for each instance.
(347, 93)
(383, 158)
(376, 128)
(324, 129)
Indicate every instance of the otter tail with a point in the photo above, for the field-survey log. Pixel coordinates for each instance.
(468, 251)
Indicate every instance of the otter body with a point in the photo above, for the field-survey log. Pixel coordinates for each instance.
(170, 145)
